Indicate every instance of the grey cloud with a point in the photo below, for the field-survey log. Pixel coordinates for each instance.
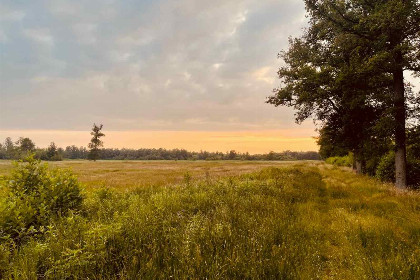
(177, 65)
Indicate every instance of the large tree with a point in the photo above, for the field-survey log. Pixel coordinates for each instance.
(95, 142)
(323, 79)
(353, 55)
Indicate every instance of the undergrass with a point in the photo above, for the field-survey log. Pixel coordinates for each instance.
(306, 221)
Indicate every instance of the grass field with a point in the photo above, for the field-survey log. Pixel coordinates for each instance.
(223, 220)
(126, 175)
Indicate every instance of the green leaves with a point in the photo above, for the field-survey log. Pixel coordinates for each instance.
(347, 72)
(37, 195)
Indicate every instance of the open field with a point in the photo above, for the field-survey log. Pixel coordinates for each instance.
(243, 220)
(125, 175)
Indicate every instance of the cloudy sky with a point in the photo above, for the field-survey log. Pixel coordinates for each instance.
(164, 66)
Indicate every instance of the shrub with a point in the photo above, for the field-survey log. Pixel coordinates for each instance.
(37, 194)
(341, 161)
(386, 169)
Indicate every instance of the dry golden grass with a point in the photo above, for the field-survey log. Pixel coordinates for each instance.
(125, 175)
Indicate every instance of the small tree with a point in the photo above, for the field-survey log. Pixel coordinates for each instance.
(95, 142)
(232, 155)
(9, 148)
(52, 152)
(26, 146)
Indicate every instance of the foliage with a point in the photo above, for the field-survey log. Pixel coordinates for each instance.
(181, 154)
(26, 145)
(8, 149)
(303, 222)
(341, 161)
(73, 152)
(413, 141)
(95, 142)
(52, 153)
(384, 168)
(329, 145)
(346, 71)
(35, 196)
(386, 171)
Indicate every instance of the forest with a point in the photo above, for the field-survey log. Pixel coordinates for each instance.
(20, 148)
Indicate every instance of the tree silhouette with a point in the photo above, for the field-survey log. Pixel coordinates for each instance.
(95, 142)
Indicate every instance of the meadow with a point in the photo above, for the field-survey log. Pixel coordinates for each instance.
(129, 174)
(219, 220)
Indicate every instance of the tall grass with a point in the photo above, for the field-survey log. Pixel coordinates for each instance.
(302, 222)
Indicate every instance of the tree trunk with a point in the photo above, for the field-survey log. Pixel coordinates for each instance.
(399, 115)
(354, 165)
(359, 167)
(358, 161)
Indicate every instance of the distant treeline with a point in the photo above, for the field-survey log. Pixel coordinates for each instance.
(15, 150)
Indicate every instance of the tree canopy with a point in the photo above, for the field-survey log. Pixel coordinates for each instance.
(346, 71)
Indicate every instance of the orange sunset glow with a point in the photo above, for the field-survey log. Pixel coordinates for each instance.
(241, 141)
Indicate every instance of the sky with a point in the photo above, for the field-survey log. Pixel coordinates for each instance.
(190, 74)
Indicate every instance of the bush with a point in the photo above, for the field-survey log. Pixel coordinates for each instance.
(35, 196)
(341, 161)
(386, 169)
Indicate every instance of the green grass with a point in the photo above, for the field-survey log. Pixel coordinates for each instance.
(230, 220)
